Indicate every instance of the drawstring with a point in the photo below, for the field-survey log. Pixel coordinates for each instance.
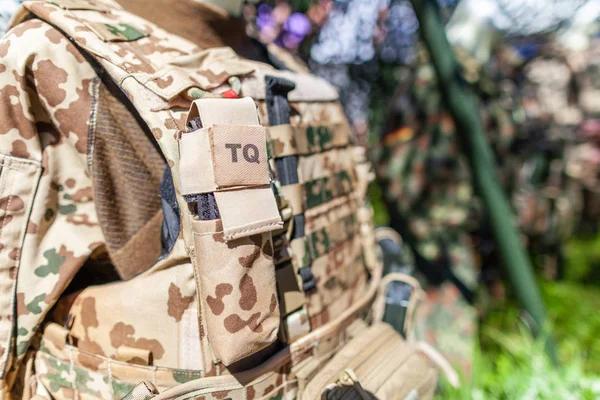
(441, 361)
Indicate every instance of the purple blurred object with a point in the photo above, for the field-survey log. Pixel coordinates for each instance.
(291, 41)
(297, 24)
(295, 27)
(264, 19)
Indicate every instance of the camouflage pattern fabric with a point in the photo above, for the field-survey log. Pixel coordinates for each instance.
(531, 112)
(45, 107)
(583, 159)
(72, 72)
(426, 186)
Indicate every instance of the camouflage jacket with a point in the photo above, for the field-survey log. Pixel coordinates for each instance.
(426, 180)
(95, 108)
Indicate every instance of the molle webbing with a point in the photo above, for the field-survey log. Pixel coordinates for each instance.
(278, 109)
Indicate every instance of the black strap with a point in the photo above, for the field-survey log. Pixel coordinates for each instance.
(171, 215)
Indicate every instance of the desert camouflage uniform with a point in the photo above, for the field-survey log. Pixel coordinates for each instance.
(88, 95)
(426, 186)
(430, 197)
(50, 225)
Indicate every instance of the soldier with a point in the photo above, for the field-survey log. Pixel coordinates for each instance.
(249, 272)
(428, 192)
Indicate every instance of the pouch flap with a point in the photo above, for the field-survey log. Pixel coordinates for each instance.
(223, 157)
(224, 111)
(196, 166)
(247, 212)
(239, 155)
(206, 69)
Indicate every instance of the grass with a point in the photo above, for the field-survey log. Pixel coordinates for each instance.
(522, 371)
(510, 364)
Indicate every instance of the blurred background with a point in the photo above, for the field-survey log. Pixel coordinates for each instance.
(533, 68)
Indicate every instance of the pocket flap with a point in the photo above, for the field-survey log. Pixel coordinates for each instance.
(228, 156)
(207, 70)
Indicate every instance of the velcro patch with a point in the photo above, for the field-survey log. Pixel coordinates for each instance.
(239, 155)
(118, 32)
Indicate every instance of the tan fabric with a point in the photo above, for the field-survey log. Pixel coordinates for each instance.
(239, 297)
(258, 214)
(296, 325)
(80, 5)
(195, 163)
(293, 193)
(239, 155)
(291, 297)
(198, 162)
(224, 112)
(145, 313)
(230, 122)
(18, 181)
(377, 363)
(221, 157)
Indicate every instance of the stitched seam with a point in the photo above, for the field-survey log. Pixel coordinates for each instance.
(2, 190)
(237, 231)
(92, 123)
(72, 372)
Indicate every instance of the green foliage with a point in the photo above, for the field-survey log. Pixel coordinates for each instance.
(582, 255)
(512, 365)
(573, 309)
(380, 212)
(523, 371)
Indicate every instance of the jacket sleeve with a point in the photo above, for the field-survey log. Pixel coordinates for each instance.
(48, 220)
